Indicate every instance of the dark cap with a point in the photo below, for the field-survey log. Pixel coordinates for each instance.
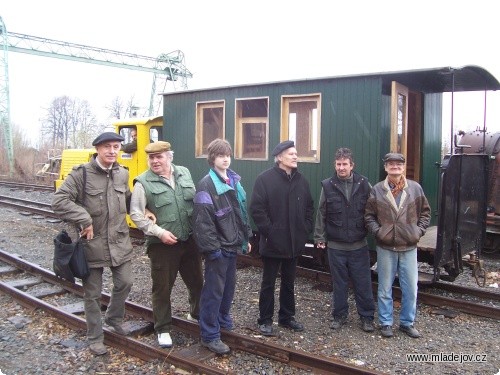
(107, 137)
(156, 147)
(282, 147)
(393, 156)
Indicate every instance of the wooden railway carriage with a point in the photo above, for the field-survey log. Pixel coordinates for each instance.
(371, 113)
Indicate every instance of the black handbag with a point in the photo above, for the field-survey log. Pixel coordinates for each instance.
(69, 258)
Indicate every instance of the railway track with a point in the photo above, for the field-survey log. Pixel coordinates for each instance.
(426, 295)
(26, 186)
(25, 205)
(37, 288)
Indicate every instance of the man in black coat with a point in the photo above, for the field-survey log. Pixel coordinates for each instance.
(282, 209)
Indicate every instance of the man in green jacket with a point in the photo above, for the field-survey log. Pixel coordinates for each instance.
(97, 204)
(167, 190)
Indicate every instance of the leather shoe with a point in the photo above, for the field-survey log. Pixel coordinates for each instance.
(116, 328)
(410, 331)
(386, 331)
(266, 329)
(216, 346)
(164, 340)
(98, 348)
(338, 321)
(293, 325)
(367, 325)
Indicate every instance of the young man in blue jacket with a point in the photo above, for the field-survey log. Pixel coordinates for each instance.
(221, 229)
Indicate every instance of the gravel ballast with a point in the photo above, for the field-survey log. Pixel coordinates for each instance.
(33, 343)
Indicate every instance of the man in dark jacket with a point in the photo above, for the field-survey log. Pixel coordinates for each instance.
(221, 230)
(397, 214)
(340, 224)
(282, 209)
(98, 205)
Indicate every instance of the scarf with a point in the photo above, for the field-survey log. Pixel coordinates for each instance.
(397, 187)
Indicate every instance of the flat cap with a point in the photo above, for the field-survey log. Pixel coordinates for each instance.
(158, 146)
(393, 156)
(282, 147)
(107, 137)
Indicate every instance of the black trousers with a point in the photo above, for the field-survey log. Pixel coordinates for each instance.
(271, 267)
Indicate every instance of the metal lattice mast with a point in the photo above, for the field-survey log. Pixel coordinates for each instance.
(4, 98)
(165, 66)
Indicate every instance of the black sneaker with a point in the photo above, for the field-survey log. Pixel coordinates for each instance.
(266, 329)
(338, 321)
(410, 331)
(216, 346)
(367, 325)
(293, 325)
(386, 331)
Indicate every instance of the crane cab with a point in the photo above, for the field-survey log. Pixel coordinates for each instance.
(132, 155)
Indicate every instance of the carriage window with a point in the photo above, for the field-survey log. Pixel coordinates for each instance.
(209, 125)
(301, 123)
(251, 133)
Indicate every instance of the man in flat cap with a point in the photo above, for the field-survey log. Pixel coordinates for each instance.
(167, 190)
(95, 198)
(397, 214)
(282, 209)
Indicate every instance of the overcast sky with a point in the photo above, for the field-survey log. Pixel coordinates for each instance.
(235, 42)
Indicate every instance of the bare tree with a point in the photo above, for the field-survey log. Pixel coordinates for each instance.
(115, 108)
(70, 123)
(120, 110)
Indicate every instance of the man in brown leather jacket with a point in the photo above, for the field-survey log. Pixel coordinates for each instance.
(397, 214)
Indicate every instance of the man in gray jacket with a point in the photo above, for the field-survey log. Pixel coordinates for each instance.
(95, 197)
(397, 213)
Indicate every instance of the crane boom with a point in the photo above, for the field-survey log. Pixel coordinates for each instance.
(170, 64)
(167, 66)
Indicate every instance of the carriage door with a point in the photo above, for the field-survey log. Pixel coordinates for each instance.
(406, 119)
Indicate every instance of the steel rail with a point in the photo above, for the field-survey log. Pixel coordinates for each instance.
(299, 359)
(23, 204)
(129, 345)
(426, 298)
(22, 185)
(454, 288)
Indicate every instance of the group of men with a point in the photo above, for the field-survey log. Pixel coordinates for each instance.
(197, 231)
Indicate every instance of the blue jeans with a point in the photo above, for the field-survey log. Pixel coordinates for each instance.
(217, 296)
(354, 265)
(405, 264)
